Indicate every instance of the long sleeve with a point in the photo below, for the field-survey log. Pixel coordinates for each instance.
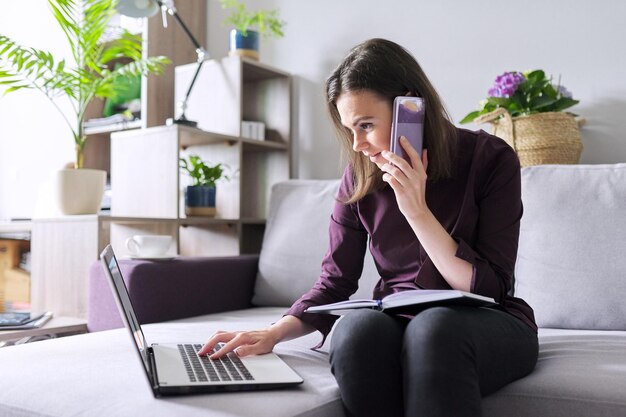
(341, 267)
(493, 210)
(494, 250)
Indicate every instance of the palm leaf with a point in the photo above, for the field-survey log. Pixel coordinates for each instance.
(31, 67)
(84, 23)
(65, 13)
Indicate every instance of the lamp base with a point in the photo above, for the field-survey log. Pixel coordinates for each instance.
(181, 121)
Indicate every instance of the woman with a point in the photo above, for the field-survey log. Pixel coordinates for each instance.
(449, 219)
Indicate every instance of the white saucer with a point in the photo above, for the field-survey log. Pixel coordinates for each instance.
(153, 258)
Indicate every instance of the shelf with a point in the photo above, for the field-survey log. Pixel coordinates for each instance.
(206, 221)
(194, 221)
(260, 145)
(258, 71)
(115, 127)
(183, 221)
(15, 226)
(135, 220)
(191, 136)
(199, 137)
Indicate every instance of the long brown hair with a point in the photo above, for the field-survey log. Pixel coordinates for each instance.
(389, 70)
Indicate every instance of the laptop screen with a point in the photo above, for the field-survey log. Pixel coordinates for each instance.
(124, 304)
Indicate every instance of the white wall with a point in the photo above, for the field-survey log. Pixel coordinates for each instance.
(34, 139)
(461, 45)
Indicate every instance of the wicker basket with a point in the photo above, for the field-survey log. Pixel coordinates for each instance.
(541, 138)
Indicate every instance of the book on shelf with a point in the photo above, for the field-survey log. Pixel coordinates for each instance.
(406, 302)
(108, 121)
(111, 124)
(23, 320)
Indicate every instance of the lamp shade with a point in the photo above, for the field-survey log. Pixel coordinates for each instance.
(138, 8)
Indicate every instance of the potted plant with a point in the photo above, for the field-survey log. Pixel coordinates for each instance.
(526, 109)
(248, 25)
(91, 75)
(200, 196)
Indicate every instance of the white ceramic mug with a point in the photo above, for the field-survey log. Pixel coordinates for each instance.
(148, 245)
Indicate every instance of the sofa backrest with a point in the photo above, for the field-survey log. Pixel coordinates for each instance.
(296, 240)
(571, 265)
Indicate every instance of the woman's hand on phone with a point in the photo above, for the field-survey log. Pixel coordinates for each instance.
(408, 180)
(242, 343)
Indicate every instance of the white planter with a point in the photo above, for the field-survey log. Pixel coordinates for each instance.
(79, 191)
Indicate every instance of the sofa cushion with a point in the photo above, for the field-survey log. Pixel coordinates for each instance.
(571, 266)
(579, 373)
(295, 241)
(100, 375)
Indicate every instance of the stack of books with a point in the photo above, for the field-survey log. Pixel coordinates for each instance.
(23, 321)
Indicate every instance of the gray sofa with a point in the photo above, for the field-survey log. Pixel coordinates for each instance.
(571, 268)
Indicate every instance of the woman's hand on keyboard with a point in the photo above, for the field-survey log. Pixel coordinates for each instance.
(254, 342)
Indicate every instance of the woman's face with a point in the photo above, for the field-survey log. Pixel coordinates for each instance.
(368, 116)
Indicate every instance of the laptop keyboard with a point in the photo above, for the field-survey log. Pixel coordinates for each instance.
(200, 368)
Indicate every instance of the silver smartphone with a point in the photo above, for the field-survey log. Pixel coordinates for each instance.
(408, 121)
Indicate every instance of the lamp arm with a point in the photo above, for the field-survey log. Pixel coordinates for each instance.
(172, 10)
(182, 105)
(193, 80)
(202, 56)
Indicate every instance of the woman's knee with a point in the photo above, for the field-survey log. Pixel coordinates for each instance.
(360, 326)
(364, 331)
(437, 331)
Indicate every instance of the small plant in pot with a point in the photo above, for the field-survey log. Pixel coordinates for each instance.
(89, 74)
(200, 197)
(249, 26)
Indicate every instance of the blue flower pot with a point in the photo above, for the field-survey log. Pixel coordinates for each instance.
(200, 200)
(246, 46)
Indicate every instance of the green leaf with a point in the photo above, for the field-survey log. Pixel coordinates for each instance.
(550, 91)
(541, 102)
(499, 101)
(15, 88)
(470, 117)
(564, 103)
(536, 76)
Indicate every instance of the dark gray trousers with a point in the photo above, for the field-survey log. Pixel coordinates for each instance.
(440, 363)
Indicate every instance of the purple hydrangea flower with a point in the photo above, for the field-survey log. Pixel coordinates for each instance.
(506, 84)
(564, 92)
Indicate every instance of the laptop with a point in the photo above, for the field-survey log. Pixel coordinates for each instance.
(176, 369)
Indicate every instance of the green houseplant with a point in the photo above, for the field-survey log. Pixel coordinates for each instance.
(200, 196)
(527, 110)
(523, 94)
(84, 23)
(248, 25)
(92, 74)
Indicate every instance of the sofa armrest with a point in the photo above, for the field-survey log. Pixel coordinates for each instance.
(183, 287)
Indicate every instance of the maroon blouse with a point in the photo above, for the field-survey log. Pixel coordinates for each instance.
(481, 208)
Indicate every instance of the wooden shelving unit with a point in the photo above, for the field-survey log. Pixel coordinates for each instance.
(148, 187)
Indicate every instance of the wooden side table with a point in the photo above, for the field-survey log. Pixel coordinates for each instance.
(56, 327)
